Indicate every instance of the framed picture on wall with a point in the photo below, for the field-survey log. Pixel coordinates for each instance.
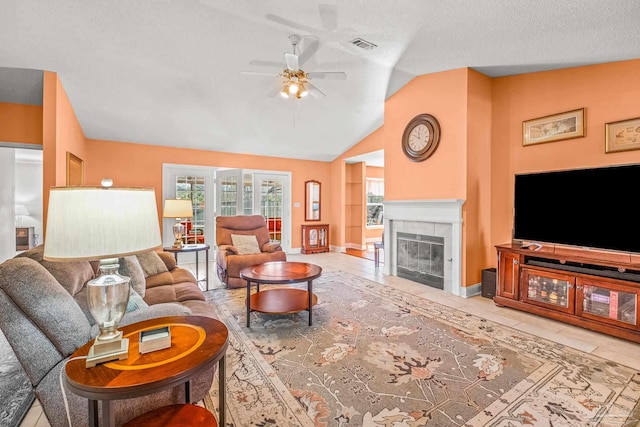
(556, 127)
(75, 170)
(622, 135)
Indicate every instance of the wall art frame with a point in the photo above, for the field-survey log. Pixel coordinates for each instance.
(623, 135)
(556, 127)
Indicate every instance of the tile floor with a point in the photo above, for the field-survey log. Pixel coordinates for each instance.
(597, 344)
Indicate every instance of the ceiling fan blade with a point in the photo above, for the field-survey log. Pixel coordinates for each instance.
(263, 63)
(309, 50)
(258, 73)
(292, 61)
(314, 91)
(330, 75)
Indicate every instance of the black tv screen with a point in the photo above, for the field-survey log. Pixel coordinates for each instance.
(593, 208)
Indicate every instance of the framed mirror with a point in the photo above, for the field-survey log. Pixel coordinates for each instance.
(312, 201)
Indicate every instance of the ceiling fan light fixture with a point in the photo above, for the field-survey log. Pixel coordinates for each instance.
(303, 91)
(293, 88)
(285, 91)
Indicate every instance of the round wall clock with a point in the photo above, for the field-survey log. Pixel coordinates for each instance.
(421, 137)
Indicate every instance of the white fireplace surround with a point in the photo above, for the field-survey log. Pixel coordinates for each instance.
(432, 217)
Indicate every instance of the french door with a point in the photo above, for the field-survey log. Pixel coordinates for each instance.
(228, 192)
(244, 192)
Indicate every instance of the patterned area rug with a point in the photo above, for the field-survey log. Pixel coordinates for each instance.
(376, 356)
(15, 390)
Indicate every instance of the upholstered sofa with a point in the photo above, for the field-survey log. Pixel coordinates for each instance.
(44, 316)
(231, 258)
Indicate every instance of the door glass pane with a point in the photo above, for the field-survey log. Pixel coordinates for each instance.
(604, 302)
(270, 193)
(193, 188)
(548, 290)
(229, 195)
(247, 194)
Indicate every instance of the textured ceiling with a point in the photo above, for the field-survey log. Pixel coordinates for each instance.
(167, 72)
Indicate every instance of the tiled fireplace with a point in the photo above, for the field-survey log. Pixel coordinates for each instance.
(423, 242)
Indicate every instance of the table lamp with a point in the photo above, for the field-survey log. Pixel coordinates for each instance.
(102, 223)
(21, 210)
(178, 209)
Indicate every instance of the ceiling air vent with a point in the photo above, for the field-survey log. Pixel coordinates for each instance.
(362, 44)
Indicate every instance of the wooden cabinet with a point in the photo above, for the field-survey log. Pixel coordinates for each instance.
(595, 290)
(508, 274)
(315, 238)
(24, 238)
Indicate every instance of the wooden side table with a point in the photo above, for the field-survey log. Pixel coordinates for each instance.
(186, 415)
(279, 301)
(193, 248)
(197, 343)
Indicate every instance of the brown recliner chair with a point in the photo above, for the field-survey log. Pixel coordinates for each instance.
(229, 258)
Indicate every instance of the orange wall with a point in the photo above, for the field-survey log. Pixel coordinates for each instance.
(479, 152)
(608, 92)
(476, 211)
(130, 164)
(444, 174)
(61, 132)
(21, 123)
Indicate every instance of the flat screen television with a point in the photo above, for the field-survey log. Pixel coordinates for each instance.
(593, 208)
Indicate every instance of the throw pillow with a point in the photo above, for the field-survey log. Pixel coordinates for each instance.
(130, 267)
(151, 263)
(246, 244)
(135, 301)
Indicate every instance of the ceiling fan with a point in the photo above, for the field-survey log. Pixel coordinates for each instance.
(296, 82)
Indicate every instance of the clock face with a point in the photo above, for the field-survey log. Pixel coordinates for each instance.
(420, 138)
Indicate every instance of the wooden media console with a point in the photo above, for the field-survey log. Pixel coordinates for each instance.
(593, 289)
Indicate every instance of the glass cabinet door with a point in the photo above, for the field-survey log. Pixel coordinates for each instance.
(548, 289)
(608, 302)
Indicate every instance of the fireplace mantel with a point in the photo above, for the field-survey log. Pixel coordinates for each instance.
(446, 212)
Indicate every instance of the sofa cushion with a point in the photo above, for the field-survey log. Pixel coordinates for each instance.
(178, 292)
(71, 275)
(169, 259)
(151, 263)
(246, 244)
(130, 267)
(39, 314)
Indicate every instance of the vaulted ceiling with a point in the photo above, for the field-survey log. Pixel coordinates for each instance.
(168, 72)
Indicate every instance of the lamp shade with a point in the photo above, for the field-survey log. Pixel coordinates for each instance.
(90, 223)
(22, 210)
(177, 208)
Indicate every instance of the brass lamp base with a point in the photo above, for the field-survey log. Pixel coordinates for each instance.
(106, 351)
(178, 244)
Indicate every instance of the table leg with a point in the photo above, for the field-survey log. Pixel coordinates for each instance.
(222, 393)
(108, 417)
(187, 392)
(248, 304)
(197, 263)
(175, 255)
(207, 270)
(310, 292)
(93, 413)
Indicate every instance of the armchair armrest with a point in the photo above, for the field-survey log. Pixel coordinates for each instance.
(229, 249)
(271, 247)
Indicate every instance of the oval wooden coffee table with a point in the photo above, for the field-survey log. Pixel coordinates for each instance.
(197, 343)
(281, 300)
